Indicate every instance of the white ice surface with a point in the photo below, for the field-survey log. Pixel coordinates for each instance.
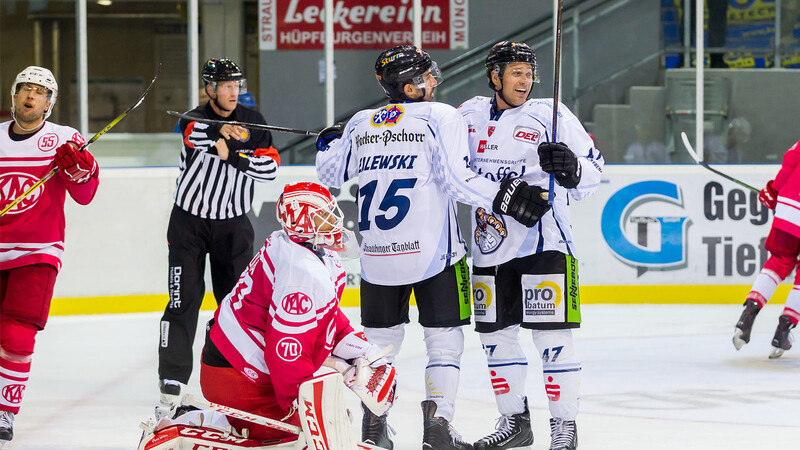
(654, 377)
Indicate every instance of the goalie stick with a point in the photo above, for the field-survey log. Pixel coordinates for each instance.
(50, 174)
(190, 400)
(696, 159)
(253, 126)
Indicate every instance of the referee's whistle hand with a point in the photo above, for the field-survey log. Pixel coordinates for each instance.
(222, 149)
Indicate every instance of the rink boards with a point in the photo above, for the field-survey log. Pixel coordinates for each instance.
(651, 234)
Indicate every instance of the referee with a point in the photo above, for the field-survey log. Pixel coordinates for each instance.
(213, 193)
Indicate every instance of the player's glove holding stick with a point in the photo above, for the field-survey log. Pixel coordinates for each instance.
(525, 203)
(558, 159)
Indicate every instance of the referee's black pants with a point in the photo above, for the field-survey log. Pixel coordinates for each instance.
(229, 244)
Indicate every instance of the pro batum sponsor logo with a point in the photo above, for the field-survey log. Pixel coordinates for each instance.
(289, 349)
(48, 142)
(527, 135)
(297, 303)
(14, 184)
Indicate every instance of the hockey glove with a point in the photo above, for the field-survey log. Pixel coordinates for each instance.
(375, 384)
(558, 159)
(326, 136)
(75, 166)
(526, 204)
(768, 196)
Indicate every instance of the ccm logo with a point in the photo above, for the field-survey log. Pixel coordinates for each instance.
(529, 136)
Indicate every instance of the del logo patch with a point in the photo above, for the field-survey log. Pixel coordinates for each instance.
(527, 135)
(388, 115)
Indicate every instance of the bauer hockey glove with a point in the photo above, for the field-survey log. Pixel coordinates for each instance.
(76, 166)
(326, 136)
(768, 196)
(516, 198)
(558, 159)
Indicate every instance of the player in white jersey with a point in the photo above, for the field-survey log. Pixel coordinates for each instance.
(527, 277)
(32, 232)
(411, 160)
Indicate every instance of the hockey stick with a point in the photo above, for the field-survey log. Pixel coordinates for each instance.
(84, 146)
(190, 400)
(556, 75)
(253, 126)
(696, 158)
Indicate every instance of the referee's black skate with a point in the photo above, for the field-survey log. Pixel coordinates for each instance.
(741, 335)
(170, 392)
(375, 430)
(6, 427)
(563, 434)
(513, 431)
(437, 433)
(782, 340)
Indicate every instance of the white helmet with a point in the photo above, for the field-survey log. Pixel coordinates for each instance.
(42, 77)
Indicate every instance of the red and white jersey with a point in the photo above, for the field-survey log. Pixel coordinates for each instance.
(282, 318)
(33, 230)
(787, 183)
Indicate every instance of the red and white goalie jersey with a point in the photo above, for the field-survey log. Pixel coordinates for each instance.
(282, 318)
(33, 230)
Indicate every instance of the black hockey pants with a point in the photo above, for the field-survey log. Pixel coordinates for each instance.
(229, 244)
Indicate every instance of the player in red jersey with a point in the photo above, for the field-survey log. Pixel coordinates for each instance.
(32, 232)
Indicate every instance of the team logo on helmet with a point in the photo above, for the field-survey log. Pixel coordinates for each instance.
(388, 115)
(490, 231)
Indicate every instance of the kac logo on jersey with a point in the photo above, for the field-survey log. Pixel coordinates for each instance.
(289, 349)
(14, 184)
(490, 231)
(297, 303)
(669, 251)
(388, 115)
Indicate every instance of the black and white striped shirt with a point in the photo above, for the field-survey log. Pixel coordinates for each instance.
(211, 188)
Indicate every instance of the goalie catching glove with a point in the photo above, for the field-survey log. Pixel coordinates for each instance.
(365, 370)
(75, 166)
(525, 203)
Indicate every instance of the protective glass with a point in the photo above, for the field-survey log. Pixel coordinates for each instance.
(228, 88)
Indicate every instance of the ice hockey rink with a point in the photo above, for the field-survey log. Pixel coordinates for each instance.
(654, 377)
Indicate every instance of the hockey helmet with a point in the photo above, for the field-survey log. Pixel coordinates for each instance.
(401, 65)
(505, 52)
(216, 70)
(298, 208)
(42, 77)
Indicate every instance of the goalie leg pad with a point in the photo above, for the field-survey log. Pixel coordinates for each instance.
(444, 347)
(323, 415)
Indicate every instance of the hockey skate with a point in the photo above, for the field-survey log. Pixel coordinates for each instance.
(513, 431)
(563, 434)
(437, 432)
(782, 340)
(375, 430)
(170, 392)
(741, 335)
(6, 427)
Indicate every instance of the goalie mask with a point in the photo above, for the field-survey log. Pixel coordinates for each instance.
(36, 75)
(404, 64)
(309, 213)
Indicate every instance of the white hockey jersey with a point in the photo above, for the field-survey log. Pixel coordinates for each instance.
(411, 160)
(505, 145)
